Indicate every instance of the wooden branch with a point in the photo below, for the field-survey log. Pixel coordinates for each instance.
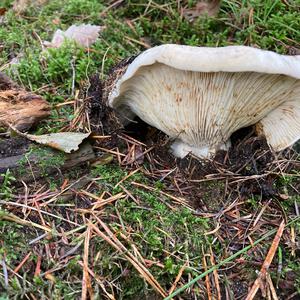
(28, 161)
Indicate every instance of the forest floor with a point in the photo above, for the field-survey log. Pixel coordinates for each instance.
(137, 223)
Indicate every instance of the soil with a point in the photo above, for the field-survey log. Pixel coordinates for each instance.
(13, 146)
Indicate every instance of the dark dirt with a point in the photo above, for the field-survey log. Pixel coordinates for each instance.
(99, 113)
(102, 117)
(13, 146)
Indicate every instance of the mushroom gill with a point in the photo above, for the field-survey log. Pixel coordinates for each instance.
(201, 109)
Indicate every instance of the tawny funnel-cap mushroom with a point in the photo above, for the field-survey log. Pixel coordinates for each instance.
(200, 96)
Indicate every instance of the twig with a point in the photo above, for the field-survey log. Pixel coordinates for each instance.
(86, 282)
(16, 270)
(264, 269)
(177, 278)
(215, 273)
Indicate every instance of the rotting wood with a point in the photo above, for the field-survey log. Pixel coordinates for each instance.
(20, 108)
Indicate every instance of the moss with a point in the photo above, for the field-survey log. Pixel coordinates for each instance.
(42, 158)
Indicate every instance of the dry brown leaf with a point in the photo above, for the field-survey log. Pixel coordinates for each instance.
(84, 35)
(209, 8)
(63, 141)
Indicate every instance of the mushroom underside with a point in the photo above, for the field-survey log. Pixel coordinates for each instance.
(200, 111)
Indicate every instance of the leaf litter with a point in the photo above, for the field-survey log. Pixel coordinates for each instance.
(63, 141)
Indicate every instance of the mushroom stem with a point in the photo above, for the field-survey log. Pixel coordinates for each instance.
(181, 149)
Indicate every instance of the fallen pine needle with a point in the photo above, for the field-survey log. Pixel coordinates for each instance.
(33, 208)
(12, 218)
(86, 282)
(114, 242)
(5, 273)
(225, 261)
(99, 281)
(272, 288)
(214, 230)
(207, 281)
(126, 177)
(293, 240)
(215, 273)
(100, 201)
(179, 200)
(16, 270)
(264, 269)
(37, 271)
(177, 278)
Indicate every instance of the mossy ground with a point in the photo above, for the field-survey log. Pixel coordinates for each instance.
(167, 237)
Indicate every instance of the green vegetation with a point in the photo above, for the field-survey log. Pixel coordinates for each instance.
(44, 158)
(166, 235)
(6, 188)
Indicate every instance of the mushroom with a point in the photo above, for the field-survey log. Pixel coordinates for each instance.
(199, 96)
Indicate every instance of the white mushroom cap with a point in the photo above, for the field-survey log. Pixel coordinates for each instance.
(200, 96)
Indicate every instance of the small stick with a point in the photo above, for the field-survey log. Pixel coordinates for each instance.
(267, 263)
(16, 270)
(177, 278)
(86, 282)
(215, 273)
(207, 282)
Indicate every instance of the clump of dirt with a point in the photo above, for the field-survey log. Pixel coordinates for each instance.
(102, 117)
(115, 73)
